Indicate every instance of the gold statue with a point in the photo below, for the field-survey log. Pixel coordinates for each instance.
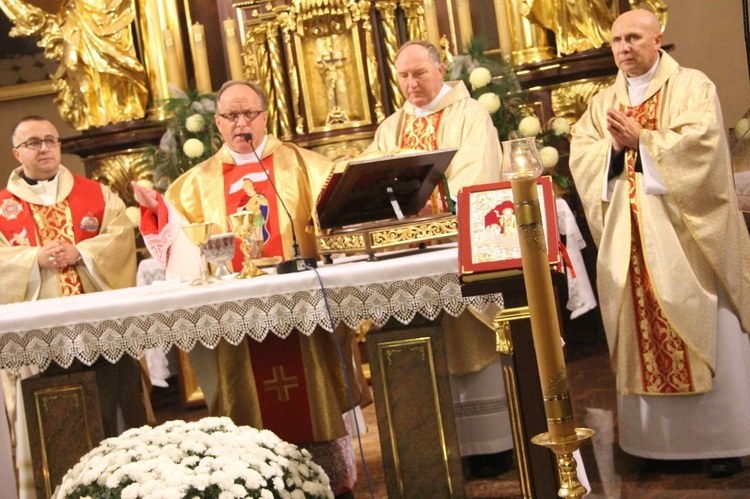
(578, 26)
(99, 80)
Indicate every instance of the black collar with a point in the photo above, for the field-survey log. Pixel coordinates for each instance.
(33, 181)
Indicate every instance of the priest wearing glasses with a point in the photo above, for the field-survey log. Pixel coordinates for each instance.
(288, 178)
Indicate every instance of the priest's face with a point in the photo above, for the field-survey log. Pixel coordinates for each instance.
(36, 145)
(240, 112)
(419, 77)
(636, 39)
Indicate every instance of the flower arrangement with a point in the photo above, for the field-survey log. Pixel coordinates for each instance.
(494, 84)
(191, 136)
(210, 458)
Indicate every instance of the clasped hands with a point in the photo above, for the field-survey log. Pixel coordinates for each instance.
(57, 254)
(624, 129)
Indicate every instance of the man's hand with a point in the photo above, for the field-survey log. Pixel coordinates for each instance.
(146, 197)
(57, 254)
(624, 129)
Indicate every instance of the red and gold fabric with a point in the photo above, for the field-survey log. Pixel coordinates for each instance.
(682, 236)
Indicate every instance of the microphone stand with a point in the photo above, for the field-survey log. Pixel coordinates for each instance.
(297, 263)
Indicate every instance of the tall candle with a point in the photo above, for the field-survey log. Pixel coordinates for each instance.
(431, 20)
(174, 75)
(503, 29)
(233, 49)
(464, 23)
(200, 60)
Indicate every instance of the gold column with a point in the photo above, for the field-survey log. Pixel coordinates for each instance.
(288, 26)
(387, 11)
(414, 14)
(280, 113)
(530, 42)
(372, 61)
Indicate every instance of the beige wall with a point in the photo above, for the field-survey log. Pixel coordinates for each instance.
(11, 112)
(707, 35)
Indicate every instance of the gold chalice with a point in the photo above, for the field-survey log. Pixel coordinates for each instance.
(198, 234)
(242, 226)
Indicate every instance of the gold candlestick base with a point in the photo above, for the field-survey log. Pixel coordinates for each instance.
(570, 486)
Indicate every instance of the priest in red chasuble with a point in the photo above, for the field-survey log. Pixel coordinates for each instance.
(651, 163)
(441, 115)
(232, 180)
(62, 235)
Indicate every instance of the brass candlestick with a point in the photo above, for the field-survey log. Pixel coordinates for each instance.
(522, 165)
(242, 226)
(198, 234)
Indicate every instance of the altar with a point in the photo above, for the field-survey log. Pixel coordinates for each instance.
(412, 290)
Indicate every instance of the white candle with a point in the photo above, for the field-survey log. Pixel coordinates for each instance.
(233, 50)
(200, 60)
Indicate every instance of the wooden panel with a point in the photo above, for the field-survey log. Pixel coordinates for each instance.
(64, 423)
(415, 412)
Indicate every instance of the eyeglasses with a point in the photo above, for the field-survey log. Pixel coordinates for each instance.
(248, 115)
(36, 144)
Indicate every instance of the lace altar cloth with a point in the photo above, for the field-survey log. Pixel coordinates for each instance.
(129, 321)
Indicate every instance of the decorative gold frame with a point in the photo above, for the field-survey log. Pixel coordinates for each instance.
(26, 90)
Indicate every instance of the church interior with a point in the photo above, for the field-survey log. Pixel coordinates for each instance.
(327, 68)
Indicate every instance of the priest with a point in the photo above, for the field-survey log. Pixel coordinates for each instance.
(441, 115)
(286, 177)
(651, 163)
(62, 235)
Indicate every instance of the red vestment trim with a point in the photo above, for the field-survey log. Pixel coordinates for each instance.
(281, 386)
(421, 134)
(665, 364)
(247, 187)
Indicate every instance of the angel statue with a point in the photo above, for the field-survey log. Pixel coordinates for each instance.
(99, 80)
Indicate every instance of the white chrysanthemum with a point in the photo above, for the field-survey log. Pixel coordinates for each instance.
(195, 123)
(549, 156)
(193, 148)
(560, 126)
(530, 126)
(134, 214)
(479, 78)
(490, 101)
(741, 128)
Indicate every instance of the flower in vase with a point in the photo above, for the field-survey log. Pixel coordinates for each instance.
(490, 101)
(530, 126)
(193, 148)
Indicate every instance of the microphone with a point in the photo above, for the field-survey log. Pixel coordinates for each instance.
(297, 263)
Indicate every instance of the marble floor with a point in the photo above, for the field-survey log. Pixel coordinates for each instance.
(611, 472)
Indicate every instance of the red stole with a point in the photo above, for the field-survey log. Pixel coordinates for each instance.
(665, 364)
(278, 367)
(421, 134)
(74, 219)
(247, 187)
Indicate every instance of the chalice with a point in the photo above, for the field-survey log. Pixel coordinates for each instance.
(242, 226)
(198, 234)
(219, 250)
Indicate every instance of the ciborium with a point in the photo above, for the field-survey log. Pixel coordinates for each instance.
(198, 234)
(243, 227)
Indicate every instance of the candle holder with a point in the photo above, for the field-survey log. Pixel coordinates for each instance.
(242, 226)
(522, 165)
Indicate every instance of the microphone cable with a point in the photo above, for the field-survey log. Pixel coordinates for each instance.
(349, 393)
(297, 263)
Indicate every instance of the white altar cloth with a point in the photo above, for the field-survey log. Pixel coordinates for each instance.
(128, 321)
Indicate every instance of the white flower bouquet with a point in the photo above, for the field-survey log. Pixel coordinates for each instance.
(210, 458)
